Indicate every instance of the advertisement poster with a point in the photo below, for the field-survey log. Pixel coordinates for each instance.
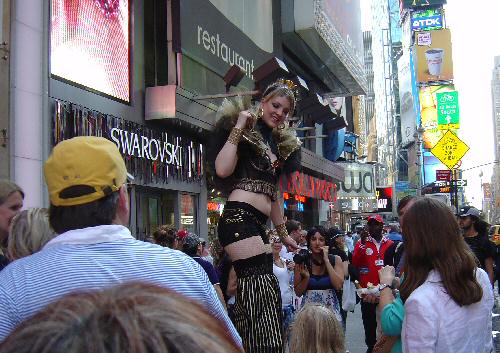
(384, 199)
(426, 20)
(90, 47)
(429, 114)
(434, 61)
(408, 117)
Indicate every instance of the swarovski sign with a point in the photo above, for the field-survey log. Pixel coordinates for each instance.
(132, 144)
(423, 23)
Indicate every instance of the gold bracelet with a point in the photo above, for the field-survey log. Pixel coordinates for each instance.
(235, 136)
(281, 230)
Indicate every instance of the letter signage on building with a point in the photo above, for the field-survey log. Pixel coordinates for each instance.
(151, 155)
(427, 23)
(357, 191)
(306, 185)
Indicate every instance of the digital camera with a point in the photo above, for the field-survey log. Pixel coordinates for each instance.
(302, 257)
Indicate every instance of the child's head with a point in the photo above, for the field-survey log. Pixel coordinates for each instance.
(316, 330)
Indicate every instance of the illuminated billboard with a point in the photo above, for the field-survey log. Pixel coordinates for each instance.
(90, 46)
(412, 4)
(429, 113)
(384, 199)
(426, 20)
(434, 56)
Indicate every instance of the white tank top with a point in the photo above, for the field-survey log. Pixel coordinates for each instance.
(283, 276)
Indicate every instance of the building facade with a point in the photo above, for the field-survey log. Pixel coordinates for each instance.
(495, 181)
(136, 72)
(383, 88)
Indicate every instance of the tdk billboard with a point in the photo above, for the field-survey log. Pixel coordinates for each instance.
(427, 23)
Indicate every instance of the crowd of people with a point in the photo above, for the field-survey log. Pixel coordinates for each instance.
(74, 278)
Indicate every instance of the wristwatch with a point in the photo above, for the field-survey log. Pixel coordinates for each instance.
(384, 286)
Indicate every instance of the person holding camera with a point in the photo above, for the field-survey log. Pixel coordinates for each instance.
(317, 274)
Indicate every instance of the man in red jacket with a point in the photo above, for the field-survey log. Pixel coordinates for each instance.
(368, 258)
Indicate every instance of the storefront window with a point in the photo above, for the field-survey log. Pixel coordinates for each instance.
(154, 207)
(168, 200)
(188, 212)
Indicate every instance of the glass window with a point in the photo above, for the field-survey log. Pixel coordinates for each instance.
(168, 209)
(188, 212)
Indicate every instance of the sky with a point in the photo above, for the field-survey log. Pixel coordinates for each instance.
(475, 41)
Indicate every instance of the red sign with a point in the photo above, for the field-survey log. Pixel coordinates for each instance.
(212, 206)
(443, 175)
(302, 184)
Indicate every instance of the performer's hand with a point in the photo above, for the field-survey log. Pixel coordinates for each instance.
(290, 243)
(245, 118)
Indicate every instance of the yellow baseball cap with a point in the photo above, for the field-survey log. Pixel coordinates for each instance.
(84, 169)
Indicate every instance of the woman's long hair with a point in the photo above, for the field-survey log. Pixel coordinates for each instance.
(432, 241)
(316, 330)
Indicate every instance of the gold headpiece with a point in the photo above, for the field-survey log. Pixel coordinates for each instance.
(287, 85)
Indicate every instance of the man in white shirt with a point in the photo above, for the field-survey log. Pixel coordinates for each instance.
(87, 183)
(294, 229)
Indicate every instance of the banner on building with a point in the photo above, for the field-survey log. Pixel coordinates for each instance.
(434, 58)
(408, 116)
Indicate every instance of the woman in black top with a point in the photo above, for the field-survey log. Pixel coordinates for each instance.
(252, 146)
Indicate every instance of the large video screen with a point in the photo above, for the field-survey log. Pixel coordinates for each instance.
(90, 46)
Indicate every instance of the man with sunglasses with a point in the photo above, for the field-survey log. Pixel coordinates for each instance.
(475, 235)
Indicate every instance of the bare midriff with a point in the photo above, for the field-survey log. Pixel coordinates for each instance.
(259, 201)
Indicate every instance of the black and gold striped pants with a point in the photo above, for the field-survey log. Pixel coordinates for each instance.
(257, 314)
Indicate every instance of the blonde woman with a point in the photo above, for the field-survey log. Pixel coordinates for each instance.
(316, 330)
(30, 231)
(250, 150)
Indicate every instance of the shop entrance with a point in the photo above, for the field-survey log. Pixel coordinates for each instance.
(153, 207)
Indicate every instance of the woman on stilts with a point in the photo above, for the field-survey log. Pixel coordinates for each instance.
(253, 146)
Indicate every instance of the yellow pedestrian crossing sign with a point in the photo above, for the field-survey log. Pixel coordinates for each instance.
(449, 149)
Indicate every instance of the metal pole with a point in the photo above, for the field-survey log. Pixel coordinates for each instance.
(455, 173)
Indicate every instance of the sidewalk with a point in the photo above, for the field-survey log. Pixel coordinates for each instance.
(496, 329)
